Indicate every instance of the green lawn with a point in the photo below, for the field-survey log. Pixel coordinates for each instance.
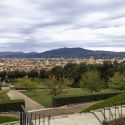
(43, 96)
(3, 96)
(4, 119)
(108, 102)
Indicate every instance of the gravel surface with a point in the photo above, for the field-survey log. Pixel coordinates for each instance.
(29, 103)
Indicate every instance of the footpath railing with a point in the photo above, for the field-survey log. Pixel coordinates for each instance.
(25, 118)
(109, 114)
(104, 115)
(33, 118)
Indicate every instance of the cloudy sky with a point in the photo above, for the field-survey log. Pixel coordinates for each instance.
(40, 25)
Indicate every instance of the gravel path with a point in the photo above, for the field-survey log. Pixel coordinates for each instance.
(64, 110)
(30, 104)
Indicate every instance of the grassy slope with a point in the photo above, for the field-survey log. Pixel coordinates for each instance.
(3, 96)
(108, 102)
(43, 97)
(4, 119)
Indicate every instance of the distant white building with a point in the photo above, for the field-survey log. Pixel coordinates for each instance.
(91, 60)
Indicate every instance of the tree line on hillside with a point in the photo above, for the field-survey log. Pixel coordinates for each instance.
(88, 76)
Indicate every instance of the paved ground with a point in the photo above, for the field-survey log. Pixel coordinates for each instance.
(92, 118)
(74, 119)
(56, 113)
(30, 104)
(95, 118)
(64, 110)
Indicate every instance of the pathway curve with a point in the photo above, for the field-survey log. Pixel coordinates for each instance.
(64, 110)
(29, 103)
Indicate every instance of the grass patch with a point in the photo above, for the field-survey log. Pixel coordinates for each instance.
(43, 96)
(107, 102)
(4, 119)
(3, 96)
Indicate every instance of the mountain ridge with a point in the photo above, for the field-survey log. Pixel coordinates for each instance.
(63, 52)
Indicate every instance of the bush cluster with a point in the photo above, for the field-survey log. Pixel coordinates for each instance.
(13, 105)
(60, 101)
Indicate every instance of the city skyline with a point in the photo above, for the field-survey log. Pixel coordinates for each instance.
(36, 25)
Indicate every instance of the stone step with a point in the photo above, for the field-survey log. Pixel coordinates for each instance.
(75, 119)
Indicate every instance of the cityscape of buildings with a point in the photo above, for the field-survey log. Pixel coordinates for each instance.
(27, 64)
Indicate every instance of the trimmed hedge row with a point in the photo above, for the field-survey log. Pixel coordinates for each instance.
(21, 88)
(13, 105)
(60, 101)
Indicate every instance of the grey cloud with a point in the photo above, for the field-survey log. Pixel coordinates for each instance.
(60, 13)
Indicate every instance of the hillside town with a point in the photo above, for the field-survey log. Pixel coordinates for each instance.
(27, 64)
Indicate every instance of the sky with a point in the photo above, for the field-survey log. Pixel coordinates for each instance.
(40, 25)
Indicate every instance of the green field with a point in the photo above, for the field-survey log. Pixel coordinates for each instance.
(3, 96)
(4, 119)
(108, 102)
(45, 98)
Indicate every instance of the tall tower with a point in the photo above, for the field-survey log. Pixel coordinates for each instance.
(91, 60)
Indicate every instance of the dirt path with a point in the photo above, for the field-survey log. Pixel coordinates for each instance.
(30, 104)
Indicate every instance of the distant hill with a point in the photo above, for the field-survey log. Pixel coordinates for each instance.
(79, 53)
(65, 53)
(4, 54)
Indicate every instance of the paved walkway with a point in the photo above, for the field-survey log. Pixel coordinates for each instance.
(74, 119)
(111, 113)
(92, 118)
(64, 110)
(30, 104)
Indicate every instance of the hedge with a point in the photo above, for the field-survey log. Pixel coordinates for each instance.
(60, 101)
(12, 105)
(21, 88)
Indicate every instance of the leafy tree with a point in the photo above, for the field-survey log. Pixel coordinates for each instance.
(0, 85)
(3, 75)
(33, 74)
(71, 71)
(12, 75)
(117, 81)
(57, 84)
(90, 80)
(115, 66)
(92, 67)
(121, 68)
(82, 68)
(21, 74)
(43, 74)
(106, 71)
(28, 83)
(56, 71)
(79, 69)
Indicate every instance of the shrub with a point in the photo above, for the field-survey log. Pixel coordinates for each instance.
(59, 101)
(91, 81)
(13, 105)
